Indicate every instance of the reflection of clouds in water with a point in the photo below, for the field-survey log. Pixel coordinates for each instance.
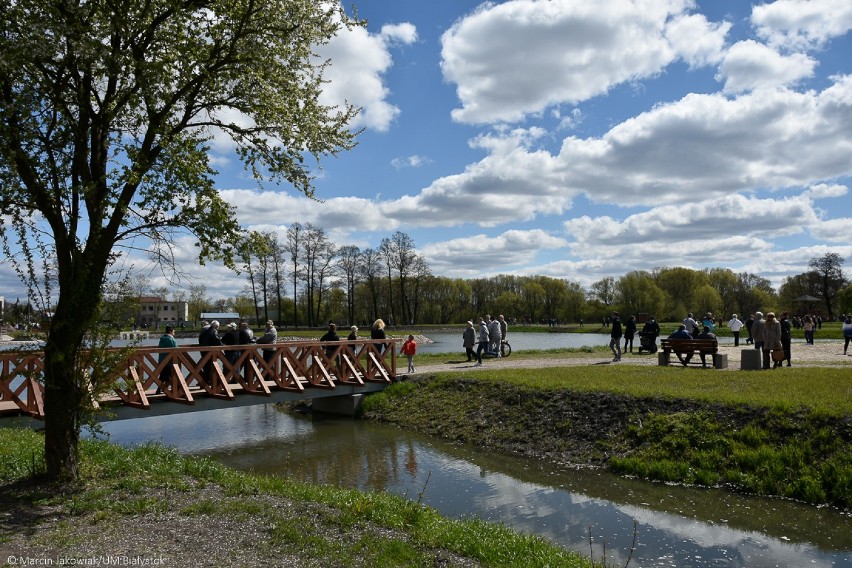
(213, 430)
(560, 516)
(753, 548)
(664, 538)
(464, 483)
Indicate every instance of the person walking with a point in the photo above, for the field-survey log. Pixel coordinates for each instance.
(757, 328)
(735, 325)
(494, 336)
(847, 333)
(409, 348)
(615, 337)
(330, 335)
(468, 341)
(231, 337)
(268, 339)
(771, 340)
(749, 323)
(483, 341)
(629, 333)
(209, 337)
(808, 326)
(378, 332)
(786, 338)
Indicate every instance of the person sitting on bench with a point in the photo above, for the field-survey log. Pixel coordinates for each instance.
(681, 333)
(706, 334)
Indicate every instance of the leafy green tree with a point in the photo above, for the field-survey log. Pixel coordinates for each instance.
(804, 284)
(707, 299)
(575, 301)
(533, 294)
(829, 269)
(604, 291)
(244, 304)
(725, 282)
(680, 284)
(508, 303)
(754, 293)
(198, 301)
(106, 111)
(639, 294)
(844, 300)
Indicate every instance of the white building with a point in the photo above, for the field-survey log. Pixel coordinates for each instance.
(154, 311)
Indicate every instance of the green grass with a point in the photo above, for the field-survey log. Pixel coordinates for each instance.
(118, 483)
(822, 390)
(809, 462)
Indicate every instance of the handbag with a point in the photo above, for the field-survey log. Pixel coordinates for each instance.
(778, 355)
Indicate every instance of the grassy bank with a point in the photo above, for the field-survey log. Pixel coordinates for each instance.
(151, 503)
(786, 433)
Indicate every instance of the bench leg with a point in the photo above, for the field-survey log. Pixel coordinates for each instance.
(663, 358)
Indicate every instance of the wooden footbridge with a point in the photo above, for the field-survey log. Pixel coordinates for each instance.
(156, 381)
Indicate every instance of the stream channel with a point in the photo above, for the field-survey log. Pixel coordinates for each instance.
(675, 525)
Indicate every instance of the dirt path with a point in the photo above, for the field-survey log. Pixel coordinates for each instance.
(821, 354)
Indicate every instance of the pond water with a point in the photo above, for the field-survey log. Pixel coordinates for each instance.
(520, 340)
(676, 526)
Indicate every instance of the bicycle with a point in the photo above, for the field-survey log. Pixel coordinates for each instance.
(505, 350)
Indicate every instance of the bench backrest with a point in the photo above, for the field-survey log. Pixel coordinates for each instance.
(678, 343)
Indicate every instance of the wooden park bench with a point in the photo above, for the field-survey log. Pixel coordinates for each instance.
(685, 348)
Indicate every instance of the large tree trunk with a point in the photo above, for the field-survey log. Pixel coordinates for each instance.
(65, 392)
(62, 418)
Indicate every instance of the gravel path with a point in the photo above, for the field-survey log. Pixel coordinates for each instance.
(821, 354)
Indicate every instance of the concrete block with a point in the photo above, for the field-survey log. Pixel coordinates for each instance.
(751, 360)
(345, 405)
(720, 360)
(663, 358)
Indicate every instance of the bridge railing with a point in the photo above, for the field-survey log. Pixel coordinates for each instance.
(181, 374)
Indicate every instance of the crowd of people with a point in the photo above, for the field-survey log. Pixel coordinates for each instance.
(492, 334)
(769, 334)
(238, 335)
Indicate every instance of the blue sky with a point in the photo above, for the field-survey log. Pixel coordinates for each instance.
(581, 139)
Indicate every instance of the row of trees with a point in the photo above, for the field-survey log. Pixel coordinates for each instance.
(304, 279)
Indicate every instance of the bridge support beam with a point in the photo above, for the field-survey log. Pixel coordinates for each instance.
(346, 405)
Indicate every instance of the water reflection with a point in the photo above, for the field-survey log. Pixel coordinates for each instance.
(677, 526)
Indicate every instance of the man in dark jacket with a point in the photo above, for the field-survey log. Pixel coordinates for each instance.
(209, 338)
(615, 337)
(786, 338)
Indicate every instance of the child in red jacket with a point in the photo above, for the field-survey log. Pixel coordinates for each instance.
(409, 348)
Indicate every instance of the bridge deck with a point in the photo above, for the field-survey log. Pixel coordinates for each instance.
(201, 378)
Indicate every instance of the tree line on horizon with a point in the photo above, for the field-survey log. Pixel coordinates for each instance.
(303, 279)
